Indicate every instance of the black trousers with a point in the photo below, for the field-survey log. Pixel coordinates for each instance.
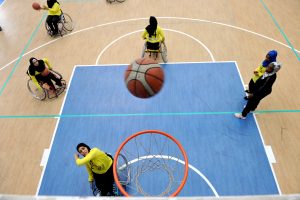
(104, 182)
(52, 21)
(47, 79)
(251, 86)
(153, 46)
(252, 104)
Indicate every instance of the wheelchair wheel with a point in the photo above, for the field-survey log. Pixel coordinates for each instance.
(144, 50)
(67, 22)
(164, 52)
(123, 170)
(59, 89)
(35, 92)
(49, 31)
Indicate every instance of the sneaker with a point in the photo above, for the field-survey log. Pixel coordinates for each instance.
(239, 115)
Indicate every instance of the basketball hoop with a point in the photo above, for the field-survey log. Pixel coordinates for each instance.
(157, 163)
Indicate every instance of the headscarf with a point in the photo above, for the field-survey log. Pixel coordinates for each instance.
(151, 28)
(277, 67)
(82, 145)
(50, 3)
(41, 62)
(272, 58)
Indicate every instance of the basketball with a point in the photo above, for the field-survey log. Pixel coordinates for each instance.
(144, 77)
(45, 72)
(36, 6)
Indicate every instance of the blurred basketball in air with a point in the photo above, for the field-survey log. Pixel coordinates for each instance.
(144, 77)
(36, 6)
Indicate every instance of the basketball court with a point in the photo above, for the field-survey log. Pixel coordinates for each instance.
(213, 47)
(227, 156)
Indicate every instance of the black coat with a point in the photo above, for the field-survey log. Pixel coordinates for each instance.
(263, 87)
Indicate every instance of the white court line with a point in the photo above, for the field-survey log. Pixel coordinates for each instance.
(136, 19)
(261, 137)
(180, 161)
(274, 175)
(270, 154)
(2, 3)
(165, 29)
(121, 64)
(45, 157)
(55, 130)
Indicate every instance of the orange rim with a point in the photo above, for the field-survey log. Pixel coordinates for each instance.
(146, 132)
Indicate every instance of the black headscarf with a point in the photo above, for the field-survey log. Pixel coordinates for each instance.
(151, 28)
(33, 68)
(50, 3)
(82, 145)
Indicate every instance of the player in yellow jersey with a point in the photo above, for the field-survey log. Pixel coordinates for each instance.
(153, 34)
(54, 13)
(39, 71)
(99, 166)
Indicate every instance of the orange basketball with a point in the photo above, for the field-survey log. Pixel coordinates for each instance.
(36, 6)
(45, 72)
(144, 77)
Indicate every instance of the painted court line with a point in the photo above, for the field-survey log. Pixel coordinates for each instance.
(165, 29)
(167, 157)
(260, 134)
(55, 130)
(45, 157)
(271, 166)
(139, 114)
(280, 29)
(136, 19)
(22, 53)
(270, 154)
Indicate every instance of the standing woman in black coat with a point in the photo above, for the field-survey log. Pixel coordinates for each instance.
(262, 88)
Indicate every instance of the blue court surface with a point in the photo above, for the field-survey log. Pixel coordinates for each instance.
(195, 105)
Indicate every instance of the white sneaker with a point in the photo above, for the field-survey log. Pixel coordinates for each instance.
(239, 115)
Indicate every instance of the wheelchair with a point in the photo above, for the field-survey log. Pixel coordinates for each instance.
(124, 176)
(65, 25)
(161, 49)
(45, 92)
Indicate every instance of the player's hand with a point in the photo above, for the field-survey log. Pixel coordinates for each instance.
(76, 156)
(255, 73)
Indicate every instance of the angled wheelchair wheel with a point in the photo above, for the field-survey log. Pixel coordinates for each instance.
(48, 29)
(123, 170)
(67, 22)
(164, 52)
(35, 92)
(144, 50)
(59, 89)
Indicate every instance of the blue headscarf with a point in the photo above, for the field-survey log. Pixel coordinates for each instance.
(272, 58)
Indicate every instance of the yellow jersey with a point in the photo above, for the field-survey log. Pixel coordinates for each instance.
(95, 161)
(55, 10)
(158, 37)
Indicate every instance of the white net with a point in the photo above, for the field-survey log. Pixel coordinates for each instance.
(157, 162)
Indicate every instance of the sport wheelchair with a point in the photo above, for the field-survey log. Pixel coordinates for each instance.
(45, 92)
(162, 49)
(124, 175)
(65, 25)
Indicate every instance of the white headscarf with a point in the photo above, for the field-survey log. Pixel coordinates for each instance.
(277, 67)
